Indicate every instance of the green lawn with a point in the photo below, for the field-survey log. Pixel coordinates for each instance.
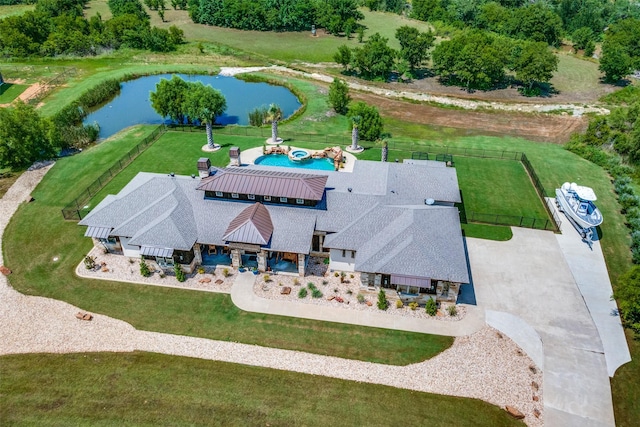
(14, 9)
(146, 389)
(10, 91)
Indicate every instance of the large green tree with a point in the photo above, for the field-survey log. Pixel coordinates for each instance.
(370, 126)
(374, 60)
(621, 49)
(537, 22)
(204, 104)
(23, 136)
(168, 98)
(414, 45)
(535, 64)
(339, 96)
(336, 15)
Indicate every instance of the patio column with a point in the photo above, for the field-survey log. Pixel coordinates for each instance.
(262, 261)
(197, 254)
(235, 258)
(301, 264)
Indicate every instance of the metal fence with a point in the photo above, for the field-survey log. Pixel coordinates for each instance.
(511, 220)
(541, 192)
(76, 210)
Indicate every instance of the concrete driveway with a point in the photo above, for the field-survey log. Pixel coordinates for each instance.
(527, 287)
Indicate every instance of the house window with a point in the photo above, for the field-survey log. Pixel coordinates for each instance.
(251, 196)
(353, 254)
(267, 198)
(284, 199)
(300, 201)
(344, 253)
(234, 195)
(218, 193)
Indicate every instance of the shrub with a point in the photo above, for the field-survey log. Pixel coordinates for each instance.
(226, 272)
(257, 116)
(296, 282)
(325, 282)
(431, 308)
(399, 304)
(131, 261)
(89, 262)
(311, 286)
(360, 298)
(144, 269)
(628, 201)
(452, 310)
(336, 274)
(266, 278)
(383, 303)
(413, 305)
(315, 293)
(201, 270)
(326, 261)
(351, 276)
(302, 293)
(162, 275)
(180, 276)
(342, 276)
(349, 292)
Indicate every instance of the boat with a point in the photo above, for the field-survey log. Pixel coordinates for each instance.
(577, 204)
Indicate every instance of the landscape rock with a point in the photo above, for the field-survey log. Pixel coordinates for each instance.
(4, 270)
(514, 412)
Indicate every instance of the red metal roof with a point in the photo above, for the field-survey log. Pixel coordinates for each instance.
(266, 183)
(252, 225)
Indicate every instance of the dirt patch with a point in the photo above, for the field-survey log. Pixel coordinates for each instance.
(32, 91)
(536, 127)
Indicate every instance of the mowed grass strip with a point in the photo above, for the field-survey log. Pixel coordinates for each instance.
(153, 389)
(169, 310)
(10, 91)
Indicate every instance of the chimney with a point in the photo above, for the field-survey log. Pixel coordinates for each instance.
(203, 167)
(234, 156)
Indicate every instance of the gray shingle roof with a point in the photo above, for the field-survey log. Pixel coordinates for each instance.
(252, 225)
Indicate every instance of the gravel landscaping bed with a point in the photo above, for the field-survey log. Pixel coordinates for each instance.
(121, 269)
(337, 288)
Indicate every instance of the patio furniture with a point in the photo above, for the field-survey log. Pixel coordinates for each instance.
(289, 256)
(213, 250)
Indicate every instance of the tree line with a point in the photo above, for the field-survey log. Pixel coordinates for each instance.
(336, 16)
(58, 27)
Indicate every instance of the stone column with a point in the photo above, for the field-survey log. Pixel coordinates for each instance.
(262, 261)
(197, 254)
(301, 265)
(235, 258)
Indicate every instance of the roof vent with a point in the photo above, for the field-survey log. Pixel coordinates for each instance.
(349, 189)
(429, 201)
(172, 174)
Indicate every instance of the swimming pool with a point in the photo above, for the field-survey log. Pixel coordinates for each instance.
(282, 160)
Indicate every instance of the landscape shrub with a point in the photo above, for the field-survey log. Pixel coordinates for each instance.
(452, 310)
(144, 269)
(399, 303)
(431, 307)
(266, 278)
(311, 286)
(201, 270)
(89, 262)
(302, 293)
(226, 272)
(628, 200)
(360, 298)
(315, 293)
(296, 282)
(180, 276)
(383, 303)
(257, 116)
(413, 305)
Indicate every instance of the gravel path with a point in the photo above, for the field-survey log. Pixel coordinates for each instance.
(485, 365)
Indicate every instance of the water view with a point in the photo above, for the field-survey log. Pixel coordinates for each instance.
(133, 106)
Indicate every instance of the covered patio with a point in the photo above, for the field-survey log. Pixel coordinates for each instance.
(215, 255)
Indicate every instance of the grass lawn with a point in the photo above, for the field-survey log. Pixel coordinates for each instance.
(14, 9)
(147, 389)
(10, 91)
(165, 309)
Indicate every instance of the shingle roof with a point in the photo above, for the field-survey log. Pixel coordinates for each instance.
(252, 225)
(266, 183)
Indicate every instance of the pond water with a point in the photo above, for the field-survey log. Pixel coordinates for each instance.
(132, 106)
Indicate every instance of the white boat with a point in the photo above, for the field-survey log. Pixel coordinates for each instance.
(576, 202)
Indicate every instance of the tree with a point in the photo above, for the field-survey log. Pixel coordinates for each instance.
(335, 15)
(383, 303)
(581, 38)
(627, 294)
(414, 45)
(355, 122)
(537, 22)
(168, 99)
(23, 136)
(535, 64)
(130, 7)
(339, 96)
(204, 103)
(343, 56)
(274, 114)
(370, 127)
(615, 62)
(375, 59)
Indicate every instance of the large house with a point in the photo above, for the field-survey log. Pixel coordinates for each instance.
(395, 223)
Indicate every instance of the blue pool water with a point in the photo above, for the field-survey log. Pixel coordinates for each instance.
(282, 160)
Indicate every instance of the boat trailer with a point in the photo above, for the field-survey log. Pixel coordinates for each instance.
(585, 233)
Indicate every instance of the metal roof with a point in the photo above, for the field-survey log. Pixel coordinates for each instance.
(266, 183)
(421, 282)
(98, 232)
(252, 225)
(151, 251)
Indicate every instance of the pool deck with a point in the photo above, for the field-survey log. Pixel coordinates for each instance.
(249, 157)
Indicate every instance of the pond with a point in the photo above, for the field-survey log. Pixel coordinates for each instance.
(132, 106)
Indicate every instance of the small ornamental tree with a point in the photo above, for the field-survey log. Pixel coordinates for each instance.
(339, 96)
(370, 127)
(274, 115)
(180, 276)
(383, 303)
(144, 269)
(204, 103)
(431, 307)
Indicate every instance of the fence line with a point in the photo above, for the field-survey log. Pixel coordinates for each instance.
(541, 191)
(74, 211)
